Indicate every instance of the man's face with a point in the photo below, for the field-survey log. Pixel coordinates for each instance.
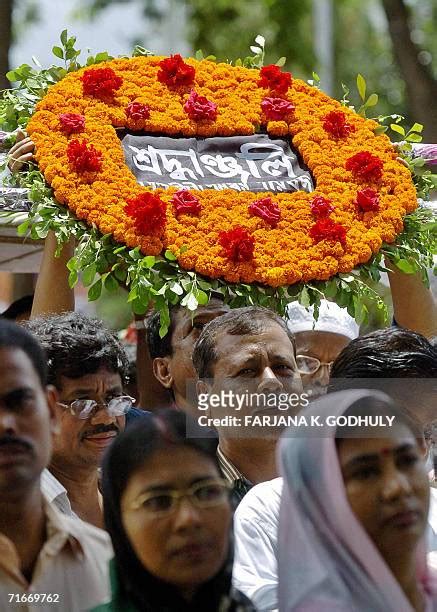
(257, 368)
(27, 421)
(322, 346)
(82, 442)
(178, 370)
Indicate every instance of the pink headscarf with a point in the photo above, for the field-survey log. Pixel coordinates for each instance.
(326, 559)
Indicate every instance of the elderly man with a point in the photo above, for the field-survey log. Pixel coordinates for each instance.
(87, 366)
(246, 360)
(369, 361)
(45, 557)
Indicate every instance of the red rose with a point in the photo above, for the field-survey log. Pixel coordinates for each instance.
(266, 209)
(272, 78)
(174, 72)
(321, 207)
(137, 111)
(365, 166)
(148, 210)
(100, 82)
(327, 229)
(276, 109)
(71, 123)
(198, 108)
(84, 157)
(367, 200)
(237, 243)
(185, 202)
(335, 124)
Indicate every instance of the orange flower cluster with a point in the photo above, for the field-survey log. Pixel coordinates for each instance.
(284, 252)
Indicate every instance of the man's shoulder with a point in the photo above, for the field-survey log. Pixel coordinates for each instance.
(263, 499)
(88, 534)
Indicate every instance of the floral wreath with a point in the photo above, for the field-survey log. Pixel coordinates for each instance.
(183, 244)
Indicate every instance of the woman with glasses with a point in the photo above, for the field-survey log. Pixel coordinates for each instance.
(169, 516)
(354, 511)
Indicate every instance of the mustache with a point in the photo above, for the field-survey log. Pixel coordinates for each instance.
(14, 441)
(98, 429)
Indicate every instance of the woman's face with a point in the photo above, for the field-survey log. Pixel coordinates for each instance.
(388, 489)
(189, 545)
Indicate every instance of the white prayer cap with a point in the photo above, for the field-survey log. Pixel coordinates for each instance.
(332, 319)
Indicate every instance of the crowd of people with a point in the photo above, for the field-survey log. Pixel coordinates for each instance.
(205, 475)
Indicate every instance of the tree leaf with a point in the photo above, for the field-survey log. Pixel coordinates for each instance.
(405, 266)
(58, 52)
(95, 291)
(260, 40)
(281, 61)
(361, 86)
(417, 127)
(88, 274)
(372, 100)
(397, 128)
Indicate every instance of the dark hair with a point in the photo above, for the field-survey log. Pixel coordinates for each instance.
(18, 308)
(373, 406)
(387, 353)
(77, 345)
(13, 336)
(236, 322)
(129, 452)
(162, 347)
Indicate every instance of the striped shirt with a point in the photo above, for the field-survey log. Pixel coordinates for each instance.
(240, 484)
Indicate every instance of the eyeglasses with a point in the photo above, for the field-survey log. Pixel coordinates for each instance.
(310, 365)
(205, 494)
(83, 408)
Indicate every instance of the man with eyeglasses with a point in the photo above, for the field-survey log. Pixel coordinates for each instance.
(87, 366)
(47, 560)
(319, 342)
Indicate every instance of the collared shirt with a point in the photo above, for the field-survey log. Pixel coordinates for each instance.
(256, 521)
(72, 567)
(56, 494)
(240, 484)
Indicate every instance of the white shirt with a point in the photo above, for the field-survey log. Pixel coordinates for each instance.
(56, 494)
(256, 522)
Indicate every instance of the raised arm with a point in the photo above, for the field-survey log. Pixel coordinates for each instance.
(52, 292)
(414, 305)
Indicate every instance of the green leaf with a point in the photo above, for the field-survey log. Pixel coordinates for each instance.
(414, 137)
(12, 76)
(64, 37)
(201, 297)
(260, 40)
(417, 127)
(361, 86)
(405, 266)
(199, 55)
(372, 100)
(23, 227)
(176, 288)
(381, 129)
(95, 291)
(304, 297)
(397, 128)
(72, 278)
(170, 256)
(149, 261)
(58, 52)
(111, 284)
(281, 61)
(88, 274)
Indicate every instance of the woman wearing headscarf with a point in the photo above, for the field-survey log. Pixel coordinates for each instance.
(353, 511)
(169, 516)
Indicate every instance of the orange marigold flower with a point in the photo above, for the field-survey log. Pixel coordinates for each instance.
(276, 109)
(267, 209)
(100, 82)
(321, 207)
(327, 229)
(366, 166)
(71, 123)
(335, 123)
(237, 243)
(274, 79)
(84, 157)
(367, 200)
(186, 202)
(174, 72)
(137, 111)
(198, 108)
(148, 211)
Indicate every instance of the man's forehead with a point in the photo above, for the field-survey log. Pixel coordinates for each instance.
(102, 376)
(267, 338)
(314, 340)
(16, 365)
